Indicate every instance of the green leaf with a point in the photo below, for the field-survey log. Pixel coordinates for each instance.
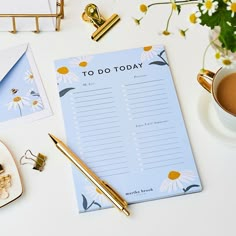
(178, 9)
(222, 18)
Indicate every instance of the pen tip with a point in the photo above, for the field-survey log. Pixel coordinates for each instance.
(54, 139)
(126, 212)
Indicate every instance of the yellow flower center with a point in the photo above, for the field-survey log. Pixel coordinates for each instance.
(17, 99)
(208, 4)
(233, 7)
(31, 76)
(148, 48)
(98, 191)
(174, 175)
(63, 70)
(165, 32)
(174, 6)
(217, 55)
(193, 18)
(227, 62)
(143, 8)
(83, 63)
(35, 103)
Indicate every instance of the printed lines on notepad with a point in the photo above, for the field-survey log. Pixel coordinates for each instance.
(158, 147)
(146, 99)
(98, 132)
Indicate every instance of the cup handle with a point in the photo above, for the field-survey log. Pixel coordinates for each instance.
(205, 79)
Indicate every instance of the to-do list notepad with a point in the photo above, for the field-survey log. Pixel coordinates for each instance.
(123, 119)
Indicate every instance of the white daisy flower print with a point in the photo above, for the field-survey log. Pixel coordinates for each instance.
(149, 52)
(18, 102)
(176, 180)
(82, 61)
(65, 75)
(209, 6)
(36, 105)
(96, 195)
(231, 6)
(29, 77)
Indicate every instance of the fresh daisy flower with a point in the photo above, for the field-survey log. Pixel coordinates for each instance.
(143, 8)
(149, 52)
(137, 21)
(183, 32)
(176, 180)
(217, 55)
(36, 105)
(209, 6)
(65, 75)
(18, 102)
(227, 61)
(29, 77)
(194, 17)
(231, 7)
(81, 61)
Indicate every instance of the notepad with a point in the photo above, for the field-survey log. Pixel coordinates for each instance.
(122, 117)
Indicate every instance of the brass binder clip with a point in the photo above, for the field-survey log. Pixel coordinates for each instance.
(91, 14)
(38, 161)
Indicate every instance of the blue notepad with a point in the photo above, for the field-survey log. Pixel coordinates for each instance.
(122, 117)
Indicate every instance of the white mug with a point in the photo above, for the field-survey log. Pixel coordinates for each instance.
(210, 81)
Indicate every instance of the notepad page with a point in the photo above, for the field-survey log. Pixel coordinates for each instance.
(122, 117)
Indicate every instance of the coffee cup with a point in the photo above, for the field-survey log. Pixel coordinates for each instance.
(222, 87)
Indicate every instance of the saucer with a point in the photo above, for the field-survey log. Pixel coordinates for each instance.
(209, 118)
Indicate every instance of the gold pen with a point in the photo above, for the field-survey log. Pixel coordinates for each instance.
(111, 194)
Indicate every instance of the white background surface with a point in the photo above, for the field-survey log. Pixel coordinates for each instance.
(48, 205)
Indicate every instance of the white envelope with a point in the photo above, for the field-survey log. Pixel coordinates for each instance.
(28, 7)
(22, 96)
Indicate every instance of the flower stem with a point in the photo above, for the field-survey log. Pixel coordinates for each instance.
(177, 2)
(168, 21)
(204, 55)
(19, 109)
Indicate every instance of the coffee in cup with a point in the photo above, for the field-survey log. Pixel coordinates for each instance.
(226, 93)
(222, 86)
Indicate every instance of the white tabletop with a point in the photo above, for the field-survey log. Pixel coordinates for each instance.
(48, 204)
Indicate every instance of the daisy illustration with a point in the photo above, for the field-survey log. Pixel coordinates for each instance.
(65, 75)
(36, 105)
(231, 6)
(81, 61)
(29, 77)
(18, 102)
(176, 180)
(96, 195)
(209, 6)
(149, 52)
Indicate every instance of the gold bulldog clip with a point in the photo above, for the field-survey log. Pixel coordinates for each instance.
(91, 14)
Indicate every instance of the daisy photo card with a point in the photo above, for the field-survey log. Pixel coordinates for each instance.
(123, 118)
(22, 96)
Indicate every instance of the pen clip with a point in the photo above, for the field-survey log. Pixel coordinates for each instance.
(116, 195)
